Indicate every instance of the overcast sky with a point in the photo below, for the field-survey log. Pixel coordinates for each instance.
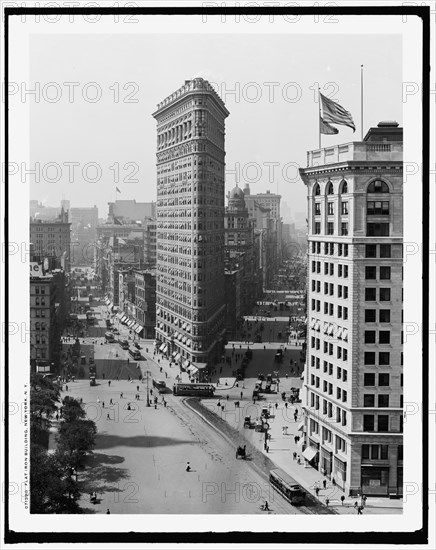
(268, 123)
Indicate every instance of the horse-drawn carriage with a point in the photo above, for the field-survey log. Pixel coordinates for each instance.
(241, 452)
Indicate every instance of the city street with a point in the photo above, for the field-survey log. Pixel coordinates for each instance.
(139, 462)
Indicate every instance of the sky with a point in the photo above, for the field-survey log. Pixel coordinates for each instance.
(267, 81)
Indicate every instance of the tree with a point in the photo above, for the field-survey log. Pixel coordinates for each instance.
(75, 439)
(72, 410)
(44, 397)
(52, 488)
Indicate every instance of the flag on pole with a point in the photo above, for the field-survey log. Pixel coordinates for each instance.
(121, 241)
(335, 113)
(118, 191)
(325, 128)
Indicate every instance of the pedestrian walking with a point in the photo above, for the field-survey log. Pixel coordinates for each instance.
(355, 505)
(295, 416)
(107, 416)
(188, 467)
(108, 511)
(111, 401)
(294, 455)
(333, 482)
(327, 501)
(286, 404)
(102, 404)
(66, 388)
(324, 483)
(276, 405)
(317, 491)
(364, 497)
(342, 499)
(242, 394)
(267, 448)
(121, 395)
(295, 439)
(109, 383)
(359, 510)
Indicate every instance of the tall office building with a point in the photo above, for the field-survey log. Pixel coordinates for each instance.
(190, 309)
(353, 398)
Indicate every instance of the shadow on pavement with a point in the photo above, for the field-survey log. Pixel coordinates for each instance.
(106, 441)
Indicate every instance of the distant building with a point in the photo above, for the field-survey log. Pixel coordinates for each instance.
(48, 311)
(41, 212)
(264, 211)
(242, 270)
(353, 382)
(84, 222)
(190, 305)
(51, 241)
(131, 211)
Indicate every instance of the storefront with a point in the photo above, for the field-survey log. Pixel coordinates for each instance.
(326, 462)
(311, 453)
(340, 472)
(375, 480)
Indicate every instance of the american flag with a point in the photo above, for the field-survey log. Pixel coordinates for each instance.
(335, 113)
(325, 128)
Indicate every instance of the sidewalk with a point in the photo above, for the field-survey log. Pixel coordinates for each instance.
(282, 446)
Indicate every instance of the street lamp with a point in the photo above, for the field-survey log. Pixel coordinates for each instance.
(148, 393)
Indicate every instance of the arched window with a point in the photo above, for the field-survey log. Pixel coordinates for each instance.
(329, 188)
(378, 186)
(316, 189)
(344, 187)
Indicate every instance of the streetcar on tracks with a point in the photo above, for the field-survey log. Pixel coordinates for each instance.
(286, 486)
(135, 354)
(195, 390)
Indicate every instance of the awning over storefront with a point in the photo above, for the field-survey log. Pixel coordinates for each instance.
(185, 363)
(138, 329)
(177, 357)
(165, 348)
(301, 427)
(192, 369)
(162, 347)
(309, 453)
(123, 318)
(174, 353)
(201, 365)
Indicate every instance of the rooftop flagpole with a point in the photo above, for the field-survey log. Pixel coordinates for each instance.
(361, 102)
(319, 122)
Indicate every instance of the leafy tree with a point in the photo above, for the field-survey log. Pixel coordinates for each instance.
(75, 439)
(52, 488)
(72, 410)
(44, 397)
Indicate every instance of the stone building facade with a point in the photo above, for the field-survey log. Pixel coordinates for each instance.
(353, 394)
(190, 155)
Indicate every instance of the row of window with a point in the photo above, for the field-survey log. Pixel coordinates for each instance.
(37, 290)
(379, 452)
(371, 272)
(384, 294)
(341, 353)
(342, 311)
(329, 248)
(331, 208)
(382, 379)
(384, 315)
(384, 251)
(378, 423)
(340, 443)
(329, 268)
(341, 414)
(331, 228)
(376, 186)
(341, 394)
(384, 337)
(341, 373)
(369, 400)
(342, 291)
